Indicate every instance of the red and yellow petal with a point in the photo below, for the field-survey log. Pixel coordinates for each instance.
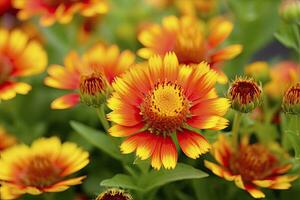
(66, 101)
(125, 131)
(168, 153)
(211, 122)
(8, 90)
(222, 151)
(254, 192)
(226, 53)
(219, 171)
(277, 182)
(219, 31)
(215, 106)
(192, 144)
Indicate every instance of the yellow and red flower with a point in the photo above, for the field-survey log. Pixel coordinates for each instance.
(6, 140)
(61, 11)
(291, 100)
(283, 75)
(250, 167)
(98, 64)
(159, 99)
(40, 168)
(194, 7)
(188, 38)
(17, 53)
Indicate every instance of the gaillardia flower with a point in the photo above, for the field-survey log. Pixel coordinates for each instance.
(89, 76)
(188, 38)
(114, 194)
(6, 140)
(283, 75)
(245, 94)
(61, 11)
(19, 56)
(43, 167)
(252, 166)
(291, 100)
(159, 99)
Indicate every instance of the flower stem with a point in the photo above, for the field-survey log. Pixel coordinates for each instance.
(235, 129)
(102, 117)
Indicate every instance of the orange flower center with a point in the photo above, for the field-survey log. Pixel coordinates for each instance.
(292, 95)
(40, 172)
(92, 84)
(189, 45)
(165, 108)
(6, 68)
(245, 91)
(253, 162)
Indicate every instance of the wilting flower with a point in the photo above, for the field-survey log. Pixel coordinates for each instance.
(252, 166)
(154, 101)
(6, 140)
(291, 100)
(245, 94)
(40, 168)
(114, 194)
(283, 75)
(259, 70)
(88, 76)
(290, 11)
(19, 56)
(188, 38)
(51, 11)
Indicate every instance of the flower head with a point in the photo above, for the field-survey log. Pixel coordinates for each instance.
(41, 167)
(194, 7)
(283, 75)
(252, 166)
(89, 76)
(114, 194)
(187, 37)
(61, 11)
(17, 53)
(291, 100)
(6, 140)
(161, 98)
(245, 94)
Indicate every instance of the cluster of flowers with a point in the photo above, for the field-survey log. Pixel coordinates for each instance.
(169, 96)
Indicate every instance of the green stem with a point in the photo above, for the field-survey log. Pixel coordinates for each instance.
(235, 129)
(102, 117)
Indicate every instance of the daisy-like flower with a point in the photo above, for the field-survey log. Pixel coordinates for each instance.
(160, 99)
(88, 74)
(17, 53)
(283, 75)
(61, 11)
(43, 167)
(188, 38)
(114, 194)
(6, 140)
(251, 167)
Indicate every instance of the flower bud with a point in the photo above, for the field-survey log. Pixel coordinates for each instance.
(114, 194)
(245, 94)
(290, 11)
(94, 89)
(291, 100)
(259, 71)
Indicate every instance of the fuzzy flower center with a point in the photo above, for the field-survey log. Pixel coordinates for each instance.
(92, 84)
(5, 68)
(40, 172)
(292, 96)
(165, 108)
(245, 91)
(253, 162)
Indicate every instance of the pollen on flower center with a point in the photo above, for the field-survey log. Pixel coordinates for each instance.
(40, 172)
(253, 162)
(165, 108)
(92, 84)
(5, 68)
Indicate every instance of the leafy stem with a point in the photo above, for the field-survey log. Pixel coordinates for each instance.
(235, 129)
(102, 117)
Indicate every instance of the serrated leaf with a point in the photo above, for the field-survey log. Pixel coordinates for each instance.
(121, 181)
(97, 138)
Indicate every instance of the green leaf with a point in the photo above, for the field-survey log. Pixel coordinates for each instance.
(122, 181)
(287, 36)
(181, 172)
(99, 139)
